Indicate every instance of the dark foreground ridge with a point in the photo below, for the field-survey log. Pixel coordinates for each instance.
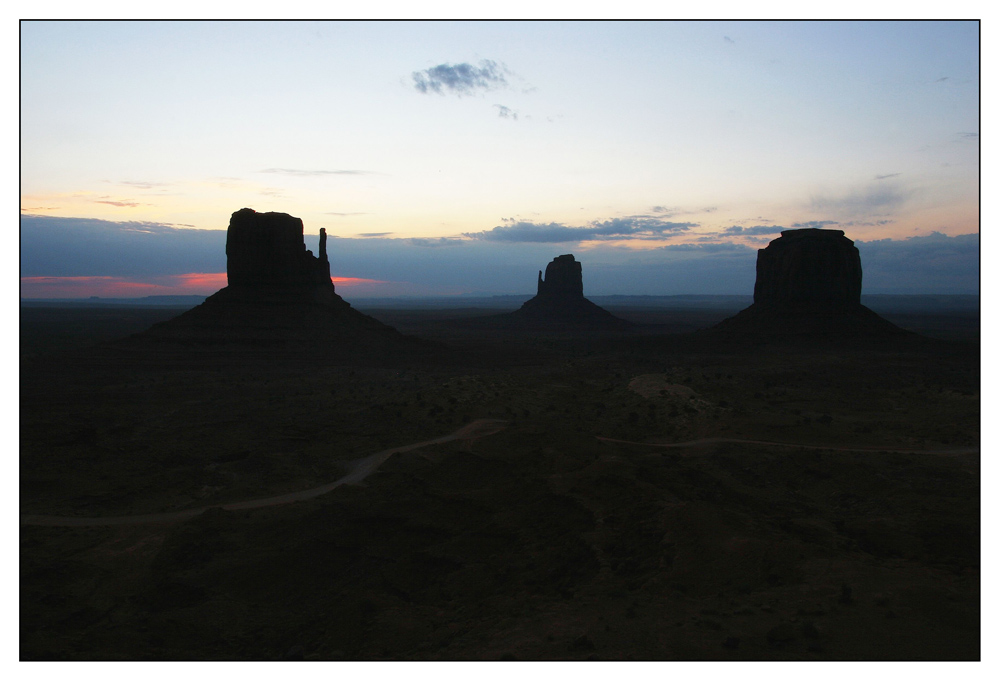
(279, 295)
(808, 287)
(560, 301)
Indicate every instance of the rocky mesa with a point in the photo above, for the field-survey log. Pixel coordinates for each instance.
(560, 302)
(279, 294)
(808, 285)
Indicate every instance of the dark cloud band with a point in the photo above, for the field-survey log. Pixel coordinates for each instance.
(79, 247)
(608, 230)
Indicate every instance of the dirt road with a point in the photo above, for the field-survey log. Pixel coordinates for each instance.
(360, 469)
(796, 445)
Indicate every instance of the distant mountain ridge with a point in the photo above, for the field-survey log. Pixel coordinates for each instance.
(95, 301)
(880, 302)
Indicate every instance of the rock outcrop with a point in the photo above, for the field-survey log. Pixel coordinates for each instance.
(560, 301)
(808, 285)
(563, 279)
(279, 295)
(805, 267)
(267, 249)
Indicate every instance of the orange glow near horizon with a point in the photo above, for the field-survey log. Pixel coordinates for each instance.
(355, 281)
(203, 280)
(190, 283)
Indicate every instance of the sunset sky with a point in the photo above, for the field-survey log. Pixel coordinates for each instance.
(460, 157)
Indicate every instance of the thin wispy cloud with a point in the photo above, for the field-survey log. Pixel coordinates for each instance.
(122, 203)
(523, 231)
(814, 224)
(461, 79)
(369, 235)
(313, 173)
(505, 112)
(866, 223)
(138, 184)
(714, 247)
(226, 182)
(435, 242)
(671, 211)
(875, 198)
(756, 230)
(969, 135)
(886, 177)
(344, 215)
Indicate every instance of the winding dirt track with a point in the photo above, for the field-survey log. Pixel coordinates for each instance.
(360, 469)
(717, 440)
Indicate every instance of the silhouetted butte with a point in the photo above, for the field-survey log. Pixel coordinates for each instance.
(560, 302)
(808, 285)
(278, 293)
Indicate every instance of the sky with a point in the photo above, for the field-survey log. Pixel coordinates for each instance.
(449, 158)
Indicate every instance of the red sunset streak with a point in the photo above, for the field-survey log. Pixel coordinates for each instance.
(190, 283)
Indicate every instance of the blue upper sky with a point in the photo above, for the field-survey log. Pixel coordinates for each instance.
(451, 157)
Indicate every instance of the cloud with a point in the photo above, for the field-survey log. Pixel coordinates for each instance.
(886, 177)
(461, 79)
(141, 258)
(969, 135)
(499, 267)
(554, 232)
(74, 247)
(935, 263)
(713, 247)
(814, 224)
(941, 80)
(729, 40)
(756, 230)
(866, 223)
(354, 281)
(672, 211)
(878, 197)
(142, 185)
(344, 215)
(435, 242)
(506, 112)
(189, 283)
(122, 203)
(313, 173)
(374, 234)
